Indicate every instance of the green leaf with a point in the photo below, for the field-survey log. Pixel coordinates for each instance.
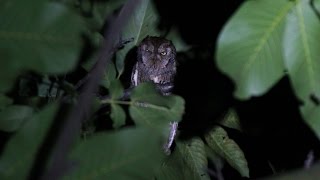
(219, 141)
(45, 37)
(143, 22)
(188, 161)
(116, 89)
(118, 115)
(4, 101)
(231, 120)
(301, 48)
(149, 108)
(110, 73)
(105, 9)
(249, 47)
(311, 113)
(12, 117)
(109, 76)
(133, 153)
(17, 157)
(217, 161)
(195, 157)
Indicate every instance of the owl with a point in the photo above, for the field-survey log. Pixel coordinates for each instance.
(156, 62)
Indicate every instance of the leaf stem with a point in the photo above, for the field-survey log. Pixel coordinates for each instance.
(113, 101)
(134, 103)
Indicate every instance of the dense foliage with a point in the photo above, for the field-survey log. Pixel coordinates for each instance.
(49, 49)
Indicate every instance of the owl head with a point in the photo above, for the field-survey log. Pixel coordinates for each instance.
(156, 52)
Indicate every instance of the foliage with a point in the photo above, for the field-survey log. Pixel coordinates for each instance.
(20, 152)
(45, 46)
(280, 40)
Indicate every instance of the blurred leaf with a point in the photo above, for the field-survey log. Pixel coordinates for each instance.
(40, 36)
(110, 75)
(133, 153)
(110, 72)
(311, 113)
(219, 141)
(151, 109)
(118, 115)
(4, 101)
(12, 117)
(231, 120)
(250, 46)
(116, 89)
(18, 156)
(217, 161)
(301, 47)
(143, 22)
(188, 161)
(97, 40)
(103, 9)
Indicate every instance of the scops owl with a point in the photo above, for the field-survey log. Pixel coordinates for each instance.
(156, 62)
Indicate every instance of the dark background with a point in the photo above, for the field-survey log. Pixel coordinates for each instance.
(274, 132)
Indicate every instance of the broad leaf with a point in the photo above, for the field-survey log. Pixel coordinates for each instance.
(249, 47)
(301, 48)
(19, 153)
(13, 116)
(94, 12)
(188, 161)
(116, 89)
(4, 101)
(110, 75)
(103, 9)
(149, 108)
(231, 120)
(42, 36)
(195, 157)
(143, 22)
(133, 153)
(217, 161)
(311, 113)
(228, 149)
(118, 115)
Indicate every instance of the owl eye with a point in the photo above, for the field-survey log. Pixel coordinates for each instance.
(163, 53)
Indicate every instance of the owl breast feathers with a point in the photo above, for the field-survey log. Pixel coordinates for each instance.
(156, 62)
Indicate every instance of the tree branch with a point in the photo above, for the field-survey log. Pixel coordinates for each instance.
(72, 125)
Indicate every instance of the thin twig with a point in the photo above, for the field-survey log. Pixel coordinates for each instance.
(72, 126)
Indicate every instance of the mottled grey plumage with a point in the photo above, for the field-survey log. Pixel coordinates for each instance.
(156, 62)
